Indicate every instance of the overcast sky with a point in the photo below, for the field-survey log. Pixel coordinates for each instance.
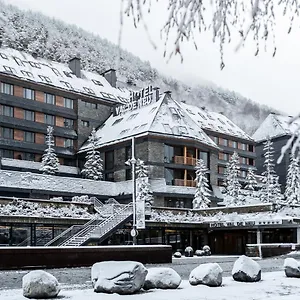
(267, 80)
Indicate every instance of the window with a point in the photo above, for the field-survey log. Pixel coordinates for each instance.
(153, 109)
(176, 112)
(27, 74)
(56, 72)
(69, 123)
(69, 103)
(7, 88)
(29, 137)
(109, 160)
(215, 139)
(85, 123)
(202, 116)
(124, 131)
(226, 156)
(88, 90)
(7, 111)
(169, 176)
(97, 82)
(109, 176)
(221, 170)
(6, 153)
(243, 146)
(19, 61)
(117, 121)
(68, 143)
(90, 105)
(251, 161)
(35, 64)
(29, 115)
(132, 117)
(205, 157)
(225, 142)
(190, 111)
(128, 174)
(128, 152)
(243, 160)
(4, 56)
(67, 84)
(9, 70)
(183, 130)
(68, 74)
(28, 93)
(251, 148)
(220, 120)
(29, 156)
(45, 79)
(167, 128)
(243, 174)
(49, 98)
(7, 133)
(49, 119)
(234, 144)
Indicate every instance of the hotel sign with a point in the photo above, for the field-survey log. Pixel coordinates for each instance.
(244, 223)
(137, 100)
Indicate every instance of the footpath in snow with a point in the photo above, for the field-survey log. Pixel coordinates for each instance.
(274, 285)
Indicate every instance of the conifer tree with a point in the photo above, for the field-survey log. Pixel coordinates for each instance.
(292, 188)
(270, 191)
(50, 161)
(143, 186)
(232, 183)
(202, 193)
(93, 166)
(251, 182)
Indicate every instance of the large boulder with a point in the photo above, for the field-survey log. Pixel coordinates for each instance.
(122, 277)
(246, 269)
(209, 274)
(162, 278)
(40, 284)
(188, 251)
(291, 267)
(177, 254)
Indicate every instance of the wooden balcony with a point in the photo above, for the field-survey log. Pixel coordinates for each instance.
(182, 182)
(185, 160)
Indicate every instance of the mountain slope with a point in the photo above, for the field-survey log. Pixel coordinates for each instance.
(55, 40)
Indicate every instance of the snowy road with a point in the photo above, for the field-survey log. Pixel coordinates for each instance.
(80, 277)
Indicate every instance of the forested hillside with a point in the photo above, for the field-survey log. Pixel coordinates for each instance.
(55, 40)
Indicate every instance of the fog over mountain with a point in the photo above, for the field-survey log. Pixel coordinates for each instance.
(58, 41)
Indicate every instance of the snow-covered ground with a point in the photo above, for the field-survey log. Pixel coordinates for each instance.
(274, 285)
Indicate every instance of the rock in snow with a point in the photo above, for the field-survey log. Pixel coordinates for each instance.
(291, 267)
(122, 277)
(246, 269)
(40, 284)
(162, 278)
(177, 254)
(209, 274)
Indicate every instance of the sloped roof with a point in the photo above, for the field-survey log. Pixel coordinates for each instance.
(275, 126)
(213, 121)
(42, 71)
(163, 117)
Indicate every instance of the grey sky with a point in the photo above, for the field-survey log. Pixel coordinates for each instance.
(267, 80)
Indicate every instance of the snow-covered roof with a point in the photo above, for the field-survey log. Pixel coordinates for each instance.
(213, 121)
(275, 126)
(163, 117)
(25, 66)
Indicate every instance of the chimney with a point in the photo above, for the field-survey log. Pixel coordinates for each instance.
(203, 107)
(156, 91)
(169, 93)
(111, 76)
(75, 66)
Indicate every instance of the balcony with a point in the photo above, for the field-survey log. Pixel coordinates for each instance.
(182, 182)
(185, 160)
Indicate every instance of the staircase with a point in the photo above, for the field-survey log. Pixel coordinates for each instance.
(101, 229)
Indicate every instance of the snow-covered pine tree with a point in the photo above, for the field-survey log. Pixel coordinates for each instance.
(232, 183)
(93, 166)
(144, 192)
(50, 161)
(202, 193)
(292, 188)
(270, 191)
(251, 181)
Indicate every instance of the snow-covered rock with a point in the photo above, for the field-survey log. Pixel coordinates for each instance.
(122, 277)
(199, 252)
(188, 251)
(177, 254)
(209, 274)
(246, 269)
(162, 278)
(40, 284)
(206, 250)
(291, 267)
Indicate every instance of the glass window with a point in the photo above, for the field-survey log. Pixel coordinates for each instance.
(117, 121)
(7, 133)
(29, 156)
(169, 176)
(90, 105)
(251, 148)
(7, 111)
(128, 152)
(68, 143)
(85, 123)
(27, 74)
(6, 153)
(169, 154)
(243, 160)
(109, 160)
(28, 93)
(68, 103)
(29, 115)
(29, 137)
(205, 157)
(97, 82)
(243, 146)
(9, 70)
(49, 119)
(234, 144)
(45, 78)
(225, 142)
(67, 84)
(69, 123)
(243, 174)
(7, 88)
(49, 98)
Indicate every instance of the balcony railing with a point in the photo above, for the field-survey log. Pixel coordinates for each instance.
(182, 182)
(185, 160)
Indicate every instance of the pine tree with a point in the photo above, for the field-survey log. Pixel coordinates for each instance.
(93, 166)
(232, 184)
(144, 192)
(202, 193)
(270, 191)
(251, 182)
(50, 161)
(292, 188)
